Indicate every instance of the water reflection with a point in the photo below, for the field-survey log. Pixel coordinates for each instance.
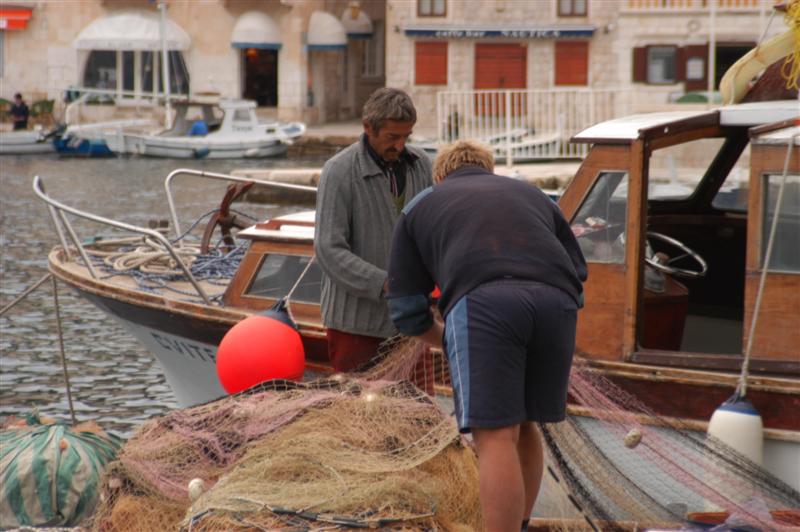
(113, 379)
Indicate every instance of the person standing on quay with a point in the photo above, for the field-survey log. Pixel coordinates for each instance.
(19, 113)
(510, 273)
(361, 192)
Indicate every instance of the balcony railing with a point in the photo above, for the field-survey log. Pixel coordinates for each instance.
(527, 124)
(696, 5)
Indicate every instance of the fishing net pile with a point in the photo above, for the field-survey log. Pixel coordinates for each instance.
(623, 467)
(352, 451)
(373, 450)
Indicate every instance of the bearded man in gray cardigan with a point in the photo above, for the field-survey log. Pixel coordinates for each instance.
(361, 192)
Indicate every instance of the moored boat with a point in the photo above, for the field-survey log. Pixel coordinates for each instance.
(223, 129)
(673, 287)
(25, 142)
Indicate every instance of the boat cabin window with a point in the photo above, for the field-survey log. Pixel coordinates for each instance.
(278, 273)
(241, 115)
(786, 249)
(599, 224)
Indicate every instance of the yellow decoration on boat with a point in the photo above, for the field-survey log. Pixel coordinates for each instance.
(790, 69)
(736, 81)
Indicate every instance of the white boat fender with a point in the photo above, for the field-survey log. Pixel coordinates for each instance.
(737, 423)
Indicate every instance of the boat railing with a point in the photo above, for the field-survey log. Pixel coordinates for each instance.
(57, 210)
(220, 177)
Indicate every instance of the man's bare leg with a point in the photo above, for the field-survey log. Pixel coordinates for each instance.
(502, 487)
(531, 458)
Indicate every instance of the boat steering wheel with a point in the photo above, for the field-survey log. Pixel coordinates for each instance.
(225, 219)
(666, 266)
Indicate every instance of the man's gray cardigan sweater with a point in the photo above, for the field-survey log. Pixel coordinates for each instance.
(352, 238)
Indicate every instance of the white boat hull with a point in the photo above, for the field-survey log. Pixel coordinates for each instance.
(189, 365)
(190, 148)
(24, 142)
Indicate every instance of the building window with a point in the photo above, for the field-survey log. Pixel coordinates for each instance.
(661, 64)
(431, 8)
(695, 69)
(372, 64)
(572, 8)
(572, 63)
(431, 63)
(134, 74)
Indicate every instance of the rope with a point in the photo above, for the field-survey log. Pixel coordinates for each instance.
(25, 294)
(151, 266)
(61, 347)
(296, 284)
(741, 388)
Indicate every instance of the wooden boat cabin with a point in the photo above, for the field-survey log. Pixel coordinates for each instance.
(675, 226)
(673, 212)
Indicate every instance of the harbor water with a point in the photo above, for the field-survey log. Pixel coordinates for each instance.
(113, 379)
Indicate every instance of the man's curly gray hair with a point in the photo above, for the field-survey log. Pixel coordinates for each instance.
(388, 104)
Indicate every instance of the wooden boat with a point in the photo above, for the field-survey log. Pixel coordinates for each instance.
(673, 332)
(232, 131)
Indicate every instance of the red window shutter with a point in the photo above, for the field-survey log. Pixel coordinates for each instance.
(640, 65)
(701, 51)
(572, 62)
(431, 63)
(680, 64)
(501, 66)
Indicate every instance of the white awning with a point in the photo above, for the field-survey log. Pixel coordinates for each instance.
(131, 30)
(356, 23)
(325, 32)
(255, 29)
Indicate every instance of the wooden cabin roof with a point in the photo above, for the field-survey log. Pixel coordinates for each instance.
(296, 227)
(780, 137)
(627, 129)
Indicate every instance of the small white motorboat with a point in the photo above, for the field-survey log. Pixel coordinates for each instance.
(224, 129)
(25, 142)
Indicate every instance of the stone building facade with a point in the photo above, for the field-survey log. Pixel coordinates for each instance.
(651, 51)
(316, 74)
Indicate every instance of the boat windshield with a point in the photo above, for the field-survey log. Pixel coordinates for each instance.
(278, 273)
(675, 172)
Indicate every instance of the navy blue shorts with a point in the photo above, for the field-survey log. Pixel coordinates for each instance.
(509, 344)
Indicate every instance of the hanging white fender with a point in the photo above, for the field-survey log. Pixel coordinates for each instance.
(737, 423)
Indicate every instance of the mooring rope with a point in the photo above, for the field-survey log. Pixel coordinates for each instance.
(741, 388)
(152, 267)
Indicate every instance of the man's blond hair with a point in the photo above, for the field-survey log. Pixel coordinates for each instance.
(461, 153)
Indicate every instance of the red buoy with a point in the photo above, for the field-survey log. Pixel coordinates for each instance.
(259, 348)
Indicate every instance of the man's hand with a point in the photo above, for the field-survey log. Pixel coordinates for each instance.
(433, 336)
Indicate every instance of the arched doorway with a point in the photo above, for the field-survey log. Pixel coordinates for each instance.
(258, 39)
(260, 76)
